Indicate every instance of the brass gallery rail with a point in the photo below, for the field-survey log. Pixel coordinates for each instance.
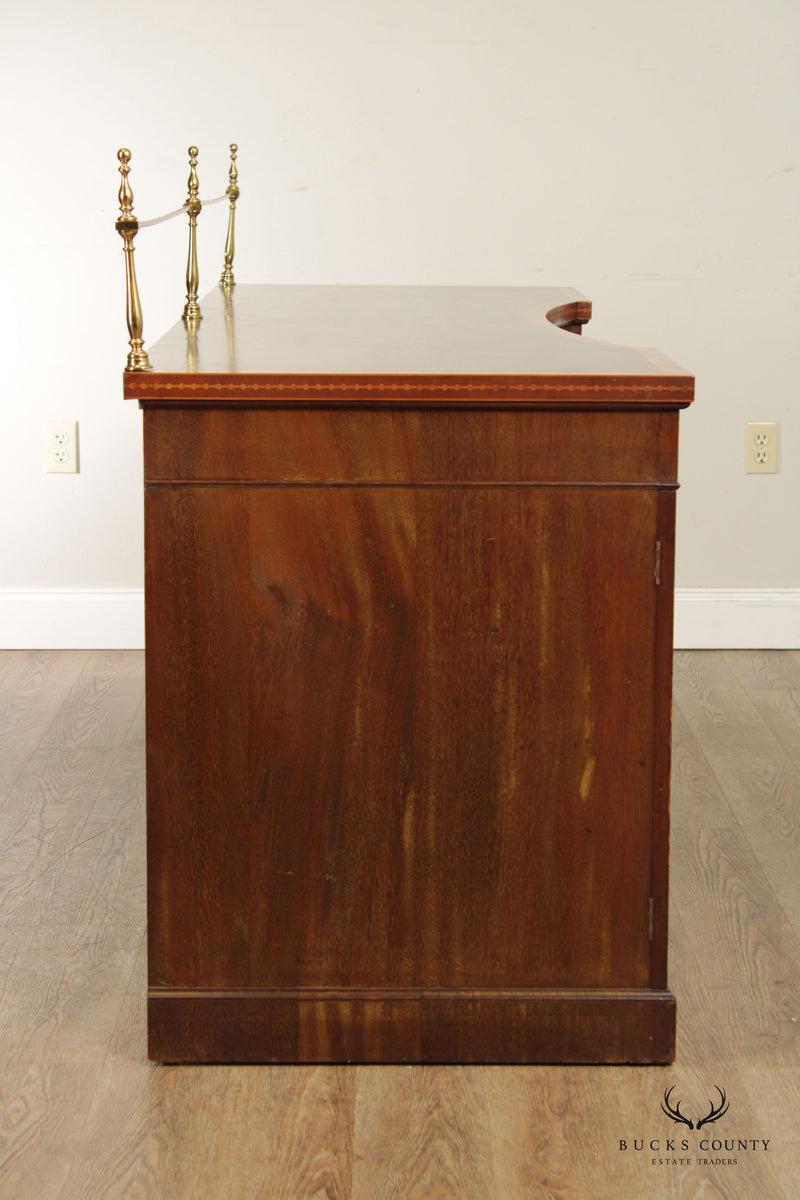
(127, 226)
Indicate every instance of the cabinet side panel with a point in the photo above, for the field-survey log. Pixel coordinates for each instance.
(198, 802)
(400, 737)
(535, 709)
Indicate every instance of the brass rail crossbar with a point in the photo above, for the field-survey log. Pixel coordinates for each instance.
(127, 226)
(176, 212)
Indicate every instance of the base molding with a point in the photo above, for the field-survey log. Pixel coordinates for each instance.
(737, 619)
(409, 1025)
(72, 619)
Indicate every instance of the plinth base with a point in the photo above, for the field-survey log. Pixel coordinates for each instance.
(310, 1025)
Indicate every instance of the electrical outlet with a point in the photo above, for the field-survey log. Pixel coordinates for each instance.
(761, 448)
(62, 447)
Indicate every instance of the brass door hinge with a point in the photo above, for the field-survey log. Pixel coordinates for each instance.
(657, 565)
(650, 919)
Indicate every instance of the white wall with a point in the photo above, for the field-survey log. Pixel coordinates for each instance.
(646, 153)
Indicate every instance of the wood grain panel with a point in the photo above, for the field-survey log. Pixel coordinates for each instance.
(757, 993)
(85, 719)
(410, 1138)
(751, 747)
(771, 680)
(697, 799)
(408, 794)
(25, 717)
(64, 859)
(43, 1111)
(405, 445)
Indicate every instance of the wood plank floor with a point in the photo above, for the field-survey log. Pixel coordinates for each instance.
(83, 1115)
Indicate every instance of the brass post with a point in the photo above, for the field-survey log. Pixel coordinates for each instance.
(191, 346)
(191, 312)
(229, 327)
(126, 226)
(232, 191)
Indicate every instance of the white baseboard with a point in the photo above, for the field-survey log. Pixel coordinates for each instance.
(72, 619)
(113, 619)
(737, 619)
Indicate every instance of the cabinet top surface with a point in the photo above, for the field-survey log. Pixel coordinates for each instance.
(313, 343)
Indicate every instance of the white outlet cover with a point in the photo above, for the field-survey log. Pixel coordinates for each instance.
(761, 448)
(61, 447)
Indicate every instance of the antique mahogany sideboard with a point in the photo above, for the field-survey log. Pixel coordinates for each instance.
(409, 587)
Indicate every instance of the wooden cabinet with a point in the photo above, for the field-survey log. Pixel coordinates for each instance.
(409, 628)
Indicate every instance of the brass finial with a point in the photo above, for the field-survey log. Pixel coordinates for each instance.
(194, 187)
(232, 192)
(125, 193)
(127, 226)
(191, 312)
